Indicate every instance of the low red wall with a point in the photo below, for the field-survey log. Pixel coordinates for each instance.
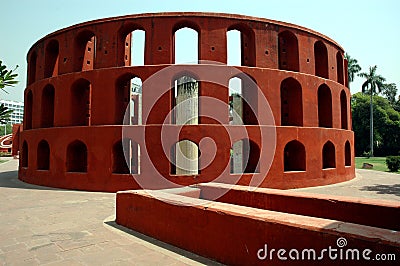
(238, 235)
(377, 213)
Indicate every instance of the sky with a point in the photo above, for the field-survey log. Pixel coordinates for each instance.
(365, 29)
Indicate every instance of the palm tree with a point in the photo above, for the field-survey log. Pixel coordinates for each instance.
(4, 114)
(7, 79)
(352, 67)
(373, 85)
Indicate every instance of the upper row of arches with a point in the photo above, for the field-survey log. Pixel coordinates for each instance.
(185, 47)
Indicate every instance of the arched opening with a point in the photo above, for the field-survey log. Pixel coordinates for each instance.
(120, 165)
(250, 103)
(84, 51)
(252, 152)
(77, 157)
(28, 110)
(288, 51)
(347, 154)
(324, 106)
(81, 92)
(131, 45)
(131, 150)
(43, 156)
(339, 68)
(184, 157)
(343, 109)
(186, 45)
(234, 51)
(294, 156)
(243, 100)
(24, 154)
(32, 68)
(185, 101)
(291, 103)
(122, 99)
(241, 49)
(51, 59)
(136, 101)
(235, 101)
(47, 116)
(128, 94)
(321, 60)
(328, 155)
(245, 155)
(135, 48)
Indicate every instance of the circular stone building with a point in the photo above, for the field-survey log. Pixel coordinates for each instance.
(96, 111)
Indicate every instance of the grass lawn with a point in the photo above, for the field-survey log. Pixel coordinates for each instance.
(378, 162)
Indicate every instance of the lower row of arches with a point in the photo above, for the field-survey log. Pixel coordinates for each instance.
(185, 157)
(295, 156)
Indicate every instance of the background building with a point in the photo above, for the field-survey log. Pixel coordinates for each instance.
(18, 111)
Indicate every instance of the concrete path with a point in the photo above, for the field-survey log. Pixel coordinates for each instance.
(40, 225)
(367, 184)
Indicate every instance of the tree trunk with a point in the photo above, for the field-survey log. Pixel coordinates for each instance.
(371, 127)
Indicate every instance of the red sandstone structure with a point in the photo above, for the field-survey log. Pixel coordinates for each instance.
(80, 83)
(90, 125)
(6, 143)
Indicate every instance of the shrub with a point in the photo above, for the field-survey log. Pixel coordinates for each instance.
(393, 163)
(5, 154)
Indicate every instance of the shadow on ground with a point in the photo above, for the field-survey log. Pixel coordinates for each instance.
(163, 245)
(10, 180)
(384, 189)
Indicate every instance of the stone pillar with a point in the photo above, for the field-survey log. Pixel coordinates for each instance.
(237, 157)
(237, 119)
(187, 101)
(187, 113)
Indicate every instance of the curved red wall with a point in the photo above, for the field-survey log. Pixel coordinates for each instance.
(61, 71)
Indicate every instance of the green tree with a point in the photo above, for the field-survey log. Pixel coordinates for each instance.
(4, 114)
(373, 83)
(7, 79)
(390, 92)
(396, 105)
(5, 129)
(386, 129)
(352, 67)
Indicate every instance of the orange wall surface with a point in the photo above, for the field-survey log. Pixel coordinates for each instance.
(234, 235)
(72, 95)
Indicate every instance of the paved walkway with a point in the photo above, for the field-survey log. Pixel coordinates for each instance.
(367, 184)
(40, 225)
